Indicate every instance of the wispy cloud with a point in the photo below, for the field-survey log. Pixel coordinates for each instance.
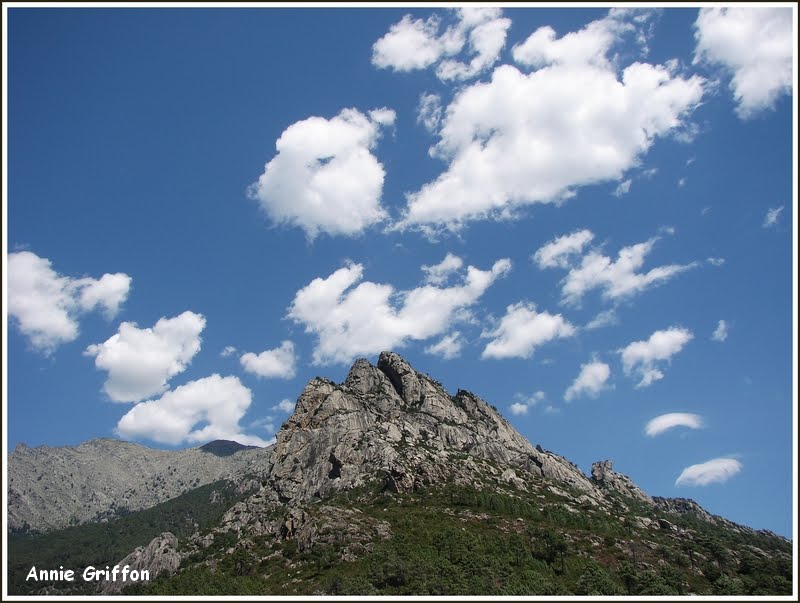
(721, 332)
(771, 219)
(662, 423)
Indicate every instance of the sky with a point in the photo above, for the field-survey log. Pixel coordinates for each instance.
(584, 216)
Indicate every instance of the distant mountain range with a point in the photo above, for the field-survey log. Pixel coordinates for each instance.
(383, 484)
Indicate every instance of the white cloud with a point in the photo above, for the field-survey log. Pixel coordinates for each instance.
(662, 423)
(413, 44)
(324, 177)
(716, 261)
(523, 403)
(603, 319)
(590, 381)
(218, 402)
(285, 405)
(754, 44)
(716, 470)
(623, 188)
(429, 111)
(487, 36)
(642, 357)
(522, 330)
(558, 252)
(46, 305)
(448, 347)
(721, 332)
(682, 182)
(350, 320)
(771, 219)
(617, 279)
(525, 138)
(279, 362)
(228, 351)
(439, 273)
(141, 361)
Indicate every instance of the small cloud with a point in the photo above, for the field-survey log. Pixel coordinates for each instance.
(716, 261)
(523, 403)
(714, 471)
(551, 410)
(228, 351)
(721, 332)
(623, 188)
(522, 330)
(590, 382)
(682, 182)
(558, 252)
(705, 211)
(642, 357)
(662, 423)
(603, 319)
(429, 111)
(279, 363)
(448, 347)
(771, 219)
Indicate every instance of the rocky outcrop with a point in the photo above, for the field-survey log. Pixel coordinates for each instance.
(160, 556)
(609, 480)
(391, 423)
(54, 487)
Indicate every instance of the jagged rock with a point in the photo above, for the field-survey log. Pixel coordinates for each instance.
(605, 477)
(392, 423)
(159, 556)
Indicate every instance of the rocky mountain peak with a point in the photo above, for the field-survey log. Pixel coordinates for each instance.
(391, 422)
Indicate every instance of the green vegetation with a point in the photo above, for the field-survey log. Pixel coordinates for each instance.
(101, 544)
(459, 541)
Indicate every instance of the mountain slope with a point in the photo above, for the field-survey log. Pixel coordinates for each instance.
(387, 484)
(56, 487)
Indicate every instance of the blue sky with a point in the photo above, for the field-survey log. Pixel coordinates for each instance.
(585, 217)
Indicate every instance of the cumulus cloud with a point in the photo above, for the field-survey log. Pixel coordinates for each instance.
(412, 44)
(535, 137)
(771, 219)
(755, 45)
(590, 381)
(721, 332)
(558, 252)
(139, 362)
(522, 330)
(714, 471)
(523, 403)
(278, 363)
(46, 305)
(448, 347)
(217, 402)
(352, 318)
(616, 279)
(662, 423)
(623, 188)
(229, 350)
(644, 357)
(324, 177)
